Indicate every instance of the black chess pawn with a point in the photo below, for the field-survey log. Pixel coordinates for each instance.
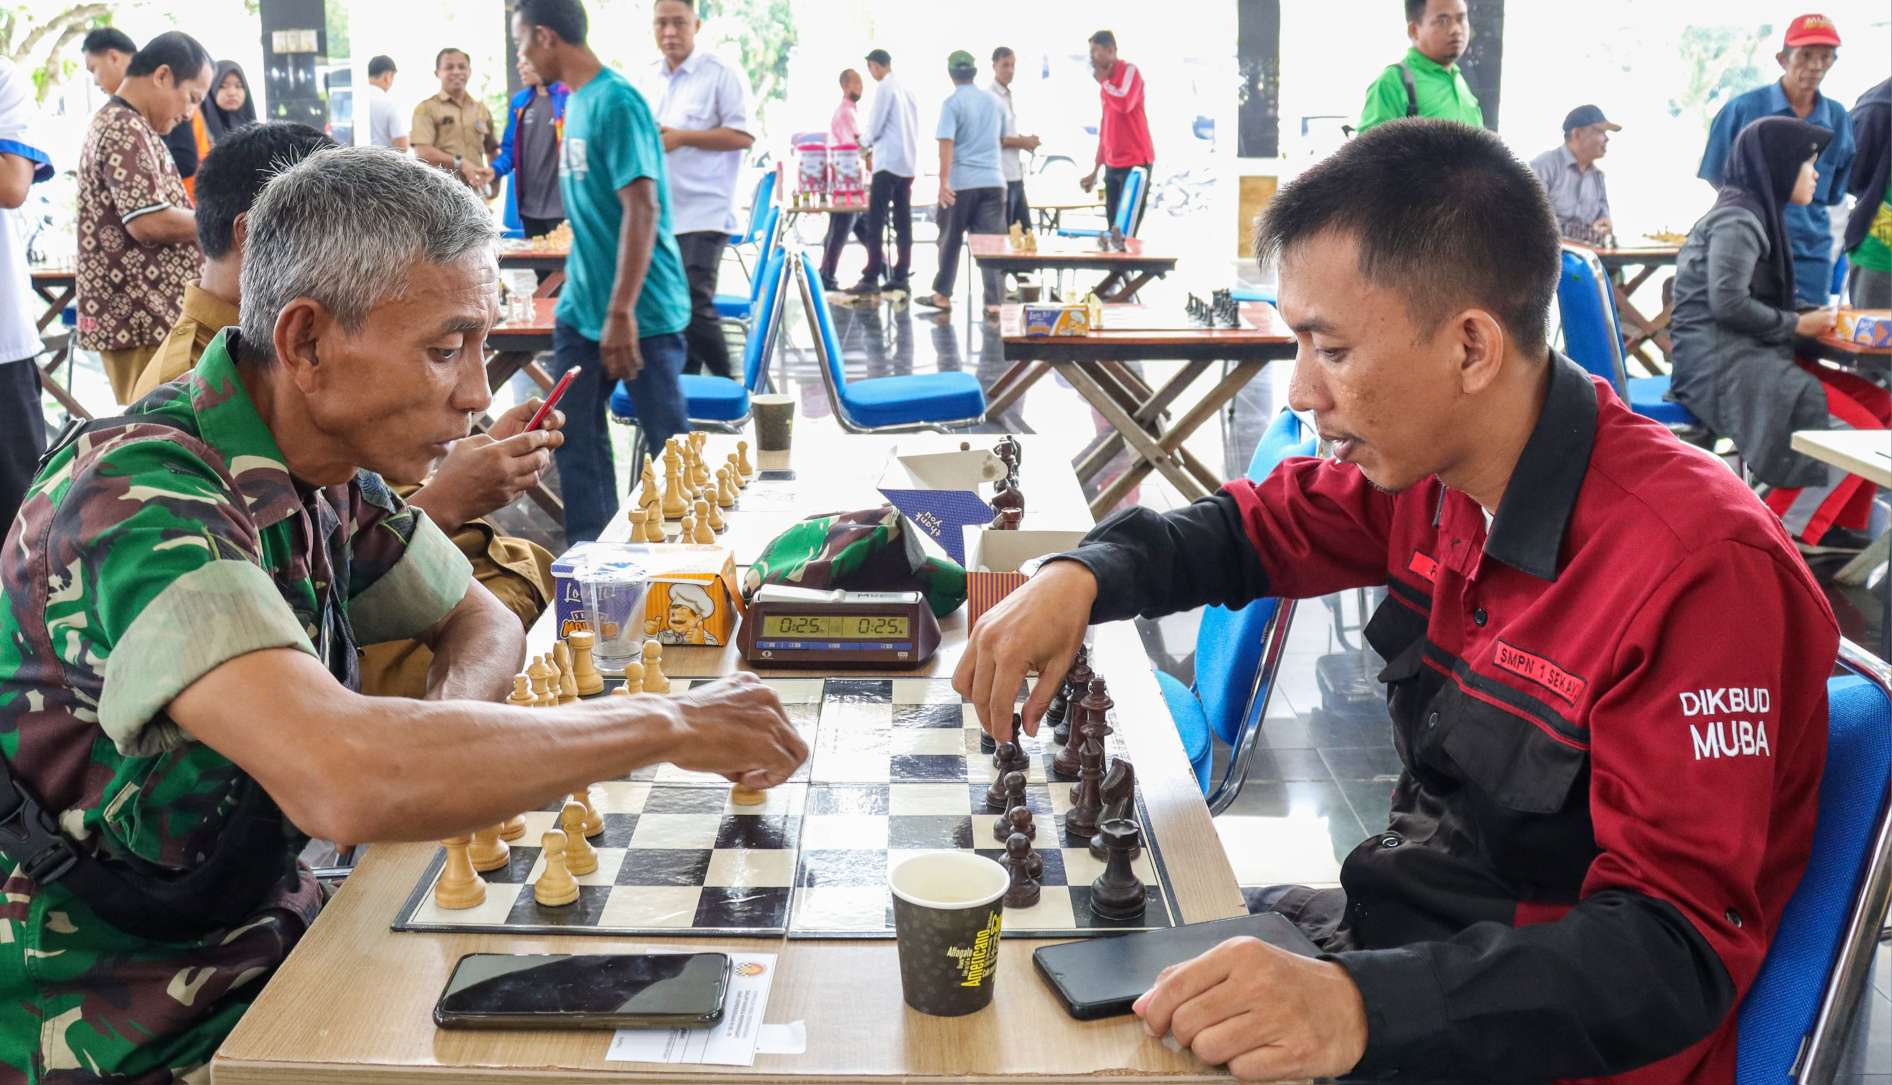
(1013, 785)
(987, 743)
(1016, 820)
(1023, 890)
(1087, 800)
(995, 795)
(1118, 892)
(1070, 755)
(1119, 792)
(1060, 704)
(1076, 681)
(1011, 756)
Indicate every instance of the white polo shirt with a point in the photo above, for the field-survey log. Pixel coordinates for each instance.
(19, 334)
(703, 92)
(1011, 162)
(386, 122)
(892, 127)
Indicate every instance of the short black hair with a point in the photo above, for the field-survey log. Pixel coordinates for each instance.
(1442, 212)
(442, 55)
(1104, 38)
(1416, 10)
(104, 39)
(566, 18)
(881, 57)
(174, 49)
(237, 168)
(1001, 53)
(380, 66)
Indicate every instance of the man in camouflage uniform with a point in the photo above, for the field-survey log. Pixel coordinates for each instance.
(180, 600)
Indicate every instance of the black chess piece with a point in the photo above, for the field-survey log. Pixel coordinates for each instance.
(1118, 892)
(995, 795)
(1013, 790)
(1069, 758)
(1009, 496)
(1016, 820)
(1087, 800)
(1097, 700)
(987, 743)
(1119, 791)
(1023, 890)
(1008, 520)
(1011, 756)
(1071, 692)
(1010, 453)
(1060, 704)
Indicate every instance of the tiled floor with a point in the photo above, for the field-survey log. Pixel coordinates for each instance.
(1322, 779)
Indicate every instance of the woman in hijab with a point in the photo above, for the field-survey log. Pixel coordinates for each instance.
(1733, 334)
(230, 105)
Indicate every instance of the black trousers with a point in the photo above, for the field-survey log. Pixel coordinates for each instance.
(889, 196)
(702, 260)
(22, 435)
(1017, 207)
(974, 211)
(840, 225)
(1114, 177)
(538, 227)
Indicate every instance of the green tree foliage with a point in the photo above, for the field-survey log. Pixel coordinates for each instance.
(1720, 62)
(42, 37)
(764, 34)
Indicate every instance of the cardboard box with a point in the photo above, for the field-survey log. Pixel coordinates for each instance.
(682, 579)
(1049, 319)
(993, 558)
(1868, 327)
(942, 493)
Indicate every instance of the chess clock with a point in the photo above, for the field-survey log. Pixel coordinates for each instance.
(806, 627)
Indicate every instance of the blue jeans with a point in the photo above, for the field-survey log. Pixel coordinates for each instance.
(586, 470)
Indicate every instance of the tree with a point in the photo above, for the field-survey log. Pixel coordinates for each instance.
(763, 32)
(1720, 62)
(36, 34)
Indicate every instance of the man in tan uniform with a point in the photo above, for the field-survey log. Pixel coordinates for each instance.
(452, 129)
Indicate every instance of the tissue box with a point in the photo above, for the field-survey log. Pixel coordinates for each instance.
(1867, 327)
(683, 581)
(993, 558)
(1057, 319)
(940, 493)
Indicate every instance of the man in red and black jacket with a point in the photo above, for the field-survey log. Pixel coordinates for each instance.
(1606, 664)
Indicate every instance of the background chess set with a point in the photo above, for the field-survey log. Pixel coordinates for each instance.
(895, 769)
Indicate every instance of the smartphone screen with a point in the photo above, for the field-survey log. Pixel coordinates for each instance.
(674, 990)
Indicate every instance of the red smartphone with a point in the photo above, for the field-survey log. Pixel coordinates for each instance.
(558, 393)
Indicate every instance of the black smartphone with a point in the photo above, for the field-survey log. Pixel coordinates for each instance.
(581, 991)
(1103, 977)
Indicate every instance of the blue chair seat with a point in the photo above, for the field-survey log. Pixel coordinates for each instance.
(706, 399)
(733, 306)
(920, 397)
(1647, 397)
(1248, 292)
(1192, 725)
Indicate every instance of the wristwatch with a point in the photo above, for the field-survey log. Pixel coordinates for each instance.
(456, 161)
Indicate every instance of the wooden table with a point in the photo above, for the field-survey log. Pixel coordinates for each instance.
(1630, 266)
(1869, 361)
(1051, 215)
(516, 347)
(530, 255)
(353, 1002)
(1097, 365)
(1126, 272)
(56, 285)
(1868, 454)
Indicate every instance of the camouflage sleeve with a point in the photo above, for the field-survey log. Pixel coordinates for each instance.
(405, 574)
(165, 584)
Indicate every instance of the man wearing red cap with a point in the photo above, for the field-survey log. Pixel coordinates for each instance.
(1807, 53)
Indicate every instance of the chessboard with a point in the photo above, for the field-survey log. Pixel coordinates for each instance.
(896, 768)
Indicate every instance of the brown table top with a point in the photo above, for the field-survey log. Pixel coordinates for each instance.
(1150, 332)
(1653, 252)
(527, 335)
(54, 273)
(354, 1002)
(1066, 252)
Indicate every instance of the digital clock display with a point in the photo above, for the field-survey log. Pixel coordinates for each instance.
(837, 626)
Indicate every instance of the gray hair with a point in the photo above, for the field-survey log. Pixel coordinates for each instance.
(344, 227)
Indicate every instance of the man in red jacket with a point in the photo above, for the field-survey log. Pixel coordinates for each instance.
(1606, 664)
(1123, 135)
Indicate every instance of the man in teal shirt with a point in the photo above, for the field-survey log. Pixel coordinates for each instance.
(626, 302)
(1427, 83)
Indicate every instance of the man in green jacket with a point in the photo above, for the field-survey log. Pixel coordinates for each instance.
(1427, 83)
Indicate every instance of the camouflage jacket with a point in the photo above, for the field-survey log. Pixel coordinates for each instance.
(144, 557)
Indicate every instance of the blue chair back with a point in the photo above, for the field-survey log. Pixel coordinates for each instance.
(766, 318)
(1229, 642)
(1133, 187)
(1840, 267)
(1593, 335)
(760, 204)
(770, 242)
(1833, 908)
(823, 318)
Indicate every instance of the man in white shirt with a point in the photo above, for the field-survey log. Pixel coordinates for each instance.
(892, 128)
(387, 125)
(22, 424)
(702, 107)
(1011, 143)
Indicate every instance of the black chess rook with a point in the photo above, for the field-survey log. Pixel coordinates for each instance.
(1118, 892)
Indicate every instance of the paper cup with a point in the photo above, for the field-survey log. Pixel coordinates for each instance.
(774, 421)
(946, 920)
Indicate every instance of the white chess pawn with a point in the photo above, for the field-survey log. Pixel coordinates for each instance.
(655, 680)
(725, 488)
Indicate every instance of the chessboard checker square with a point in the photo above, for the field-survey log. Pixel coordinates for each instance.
(811, 860)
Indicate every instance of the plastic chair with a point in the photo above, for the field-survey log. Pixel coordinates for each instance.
(904, 404)
(1796, 1017)
(1593, 337)
(760, 202)
(1237, 655)
(739, 307)
(1126, 218)
(1252, 292)
(719, 404)
(1840, 267)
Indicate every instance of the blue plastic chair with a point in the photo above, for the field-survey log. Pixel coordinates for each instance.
(759, 204)
(1252, 292)
(1796, 1017)
(917, 401)
(1840, 267)
(1126, 218)
(720, 404)
(739, 307)
(1237, 653)
(1593, 337)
